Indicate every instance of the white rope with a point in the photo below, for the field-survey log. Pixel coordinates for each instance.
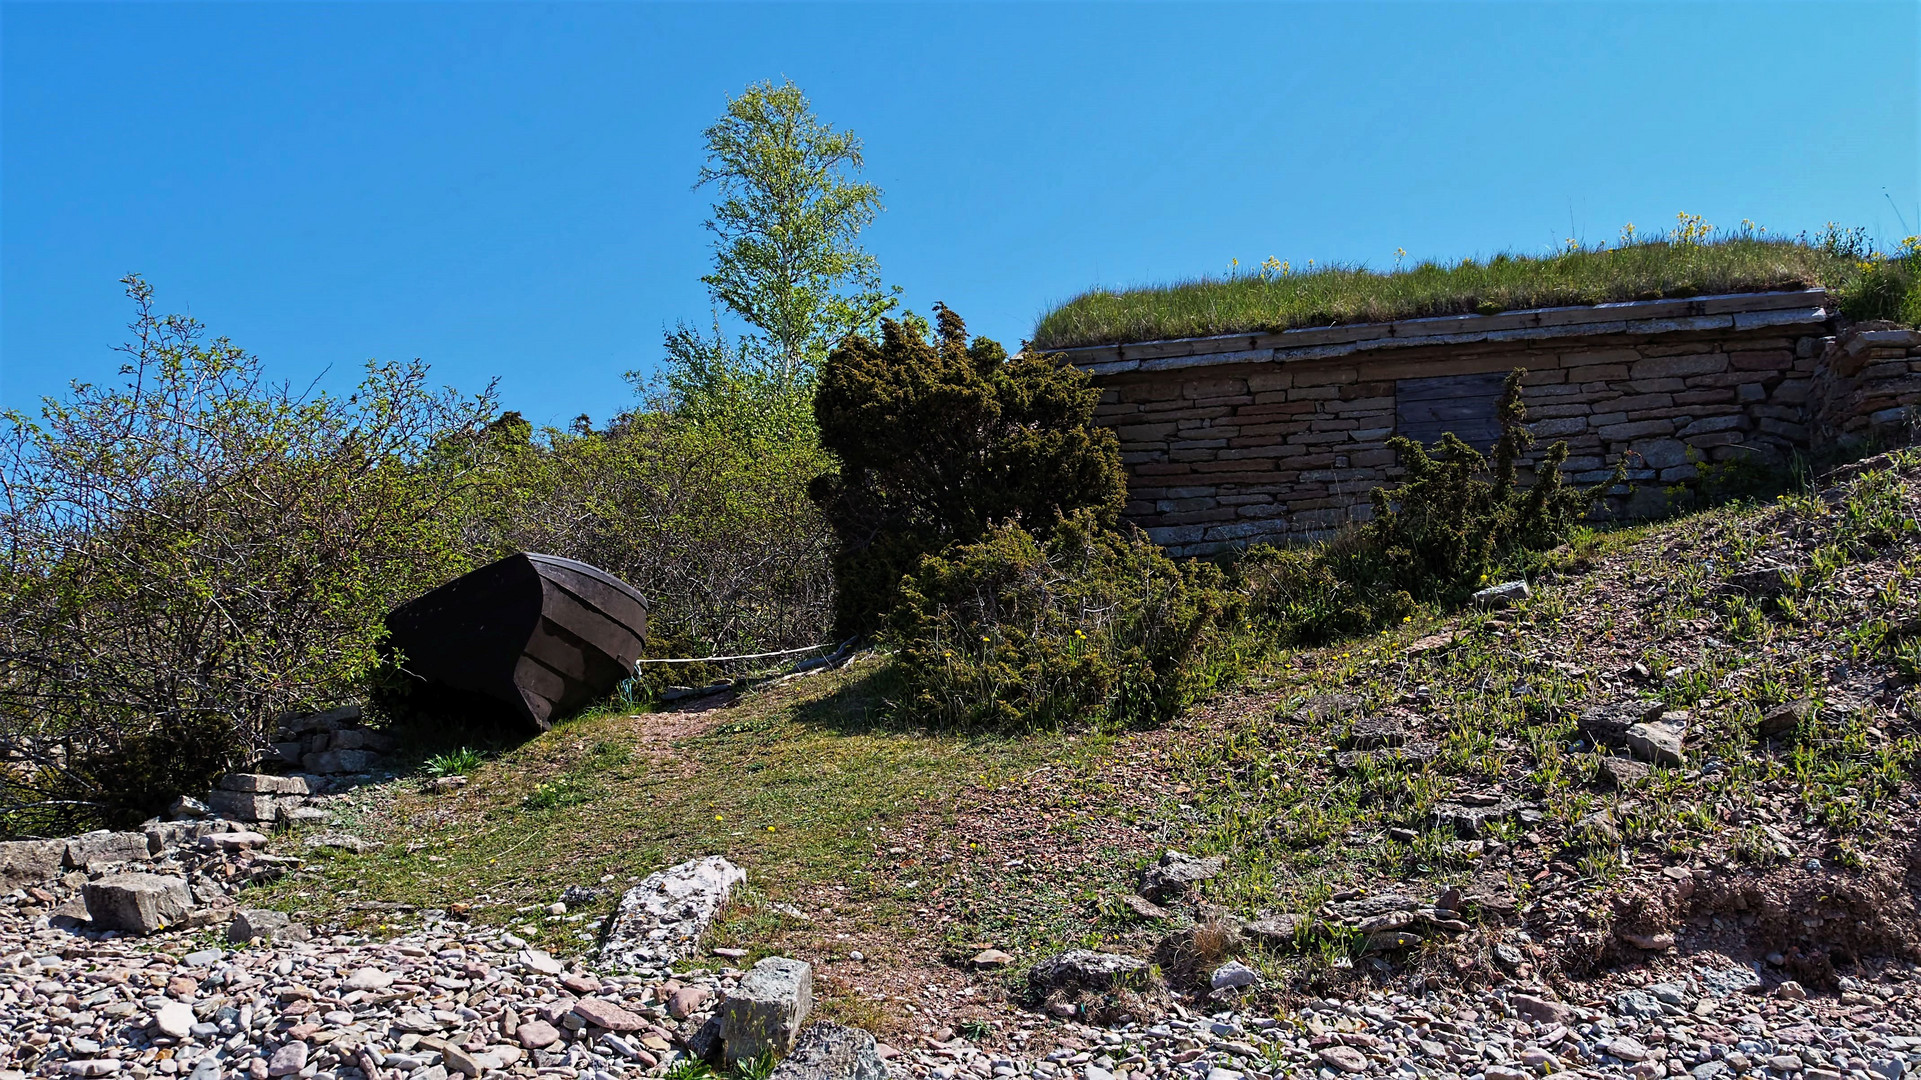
(742, 656)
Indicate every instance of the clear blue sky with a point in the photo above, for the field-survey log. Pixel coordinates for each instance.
(504, 190)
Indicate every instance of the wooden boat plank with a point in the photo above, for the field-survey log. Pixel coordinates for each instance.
(618, 605)
(613, 640)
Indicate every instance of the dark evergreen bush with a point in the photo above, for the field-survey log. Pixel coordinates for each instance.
(1088, 625)
(940, 441)
(1455, 519)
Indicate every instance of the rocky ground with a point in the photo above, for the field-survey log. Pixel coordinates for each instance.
(1656, 819)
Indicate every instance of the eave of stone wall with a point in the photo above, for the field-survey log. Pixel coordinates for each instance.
(1731, 311)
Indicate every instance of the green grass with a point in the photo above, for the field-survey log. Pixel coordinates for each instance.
(1282, 297)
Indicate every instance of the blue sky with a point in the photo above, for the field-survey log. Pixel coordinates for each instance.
(504, 190)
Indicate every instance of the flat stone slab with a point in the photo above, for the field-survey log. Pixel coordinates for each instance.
(1608, 722)
(28, 862)
(94, 848)
(661, 919)
(137, 903)
(1085, 969)
(263, 784)
(1176, 873)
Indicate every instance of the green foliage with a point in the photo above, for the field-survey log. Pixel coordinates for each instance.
(190, 553)
(938, 442)
(710, 522)
(1691, 261)
(1882, 288)
(454, 762)
(1455, 518)
(787, 258)
(1088, 624)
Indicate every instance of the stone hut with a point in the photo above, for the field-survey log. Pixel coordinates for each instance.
(1271, 436)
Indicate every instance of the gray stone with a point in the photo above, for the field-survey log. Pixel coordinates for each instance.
(1085, 969)
(1232, 975)
(661, 919)
(1176, 873)
(245, 805)
(1274, 931)
(334, 762)
(288, 1060)
(186, 806)
(1783, 718)
(825, 1051)
(139, 903)
(1502, 595)
(1656, 743)
(28, 862)
(276, 926)
(263, 784)
(331, 720)
(360, 738)
(1375, 732)
(766, 1010)
(97, 848)
(1619, 774)
(1471, 822)
(1608, 723)
(1639, 1004)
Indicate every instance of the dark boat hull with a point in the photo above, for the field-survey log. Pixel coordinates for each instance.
(542, 635)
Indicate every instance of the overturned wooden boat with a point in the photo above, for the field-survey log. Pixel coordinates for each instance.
(540, 634)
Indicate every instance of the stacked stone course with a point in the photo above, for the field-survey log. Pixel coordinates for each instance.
(1228, 441)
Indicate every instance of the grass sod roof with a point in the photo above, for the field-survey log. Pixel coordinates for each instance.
(1279, 298)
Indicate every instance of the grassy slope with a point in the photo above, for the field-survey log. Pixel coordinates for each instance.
(1323, 297)
(916, 849)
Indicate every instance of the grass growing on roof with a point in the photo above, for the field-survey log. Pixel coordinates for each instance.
(1692, 260)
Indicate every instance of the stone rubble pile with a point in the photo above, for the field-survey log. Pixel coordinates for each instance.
(448, 999)
(1706, 1025)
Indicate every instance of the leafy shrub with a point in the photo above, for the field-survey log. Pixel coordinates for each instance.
(191, 553)
(1088, 624)
(710, 521)
(1454, 519)
(940, 442)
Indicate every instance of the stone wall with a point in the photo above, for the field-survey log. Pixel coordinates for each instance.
(1273, 436)
(1866, 391)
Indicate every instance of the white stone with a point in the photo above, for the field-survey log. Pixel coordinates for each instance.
(661, 919)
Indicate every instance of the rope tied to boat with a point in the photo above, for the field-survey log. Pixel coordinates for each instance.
(740, 656)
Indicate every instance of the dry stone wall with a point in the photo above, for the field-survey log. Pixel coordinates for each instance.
(1234, 440)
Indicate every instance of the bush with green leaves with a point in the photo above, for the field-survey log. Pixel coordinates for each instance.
(1455, 519)
(939, 442)
(709, 520)
(190, 553)
(1086, 625)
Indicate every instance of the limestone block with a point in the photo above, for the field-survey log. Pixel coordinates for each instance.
(328, 762)
(826, 1051)
(661, 919)
(28, 862)
(263, 784)
(766, 1011)
(139, 903)
(245, 805)
(91, 849)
